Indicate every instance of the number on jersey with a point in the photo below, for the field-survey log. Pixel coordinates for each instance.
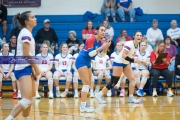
(44, 61)
(64, 62)
(100, 61)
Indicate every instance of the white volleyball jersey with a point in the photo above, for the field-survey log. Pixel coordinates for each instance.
(45, 62)
(101, 62)
(5, 60)
(63, 61)
(24, 36)
(113, 56)
(129, 46)
(145, 56)
(74, 59)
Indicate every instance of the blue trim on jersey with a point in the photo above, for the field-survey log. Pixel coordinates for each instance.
(44, 56)
(141, 54)
(119, 64)
(4, 55)
(24, 72)
(65, 56)
(133, 68)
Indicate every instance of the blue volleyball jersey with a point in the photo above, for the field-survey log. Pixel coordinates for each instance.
(90, 45)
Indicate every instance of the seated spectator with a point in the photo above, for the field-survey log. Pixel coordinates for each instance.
(76, 74)
(109, 36)
(12, 44)
(88, 30)
(6, 71)
(15, 31)
(63, 63)
(72, 42)
(46, 33)
(171, 49)
(125, 6)
(108, 9)
(161, 69)
(3, 21)
(174, 32)
(102, 66)
(141, 71)
(148, 46)
(45, 67)
(177, 64)
(154, 34)
(123, 36)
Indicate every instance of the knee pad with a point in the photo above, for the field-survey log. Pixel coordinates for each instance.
(109, 85)
(36, 82)
(0, 78)
(132, 83)
(55, 77)
(144, 80)
(69, 78)
(124, 80)
(137, 80)
(13, 78)
(33, 100)
(85, 88)
(75, 79)
(107, 76)
(113, 82)
(50, 81)
(100, 76)
(25, 103)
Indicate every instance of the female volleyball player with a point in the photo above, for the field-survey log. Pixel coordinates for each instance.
(63, 63)
(45, 67)
(92, 46)
(25, 47)
(122, 64)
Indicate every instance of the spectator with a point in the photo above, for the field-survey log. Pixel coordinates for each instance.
(108, 9)
(154, 34)
(46, 33)
(161, 69)
(125, 6)
(3, 21)
(177, 64)
(88, 30)
(174, 32)
(171, 49)
(12, 44)
(123, 36)
(15, 31)
(148, 46)
(109, 36)
(72, 42)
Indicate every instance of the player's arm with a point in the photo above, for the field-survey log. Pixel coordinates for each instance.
(94, 65)
(69, 64)
(11, 68)
(109, 65)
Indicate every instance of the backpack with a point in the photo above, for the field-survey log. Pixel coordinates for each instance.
(139, 11)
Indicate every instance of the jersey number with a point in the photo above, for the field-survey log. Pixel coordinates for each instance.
(44, 61)
(100, 61)
(63, 62)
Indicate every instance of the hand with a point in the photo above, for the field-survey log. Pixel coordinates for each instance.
(37, 72)
(125, 9)
(7, 75)
(43, 73)
(164, 59)
(136, 61)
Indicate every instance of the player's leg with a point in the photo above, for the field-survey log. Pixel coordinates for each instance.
(37, 86)
(50, 83)
(99, 75)
(13, 78)
(1, 77)
(56, 76)
(75, 84)
(68, 76)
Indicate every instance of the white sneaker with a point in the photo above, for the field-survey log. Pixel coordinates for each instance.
(97, 89)
(86, 109)
(51, 96)
(100, 99)
(76, 95)
(154, 94)
(109, 93)
(58, 95)
(4, 39)
(19, 95)
(122, 94)
(170, 94)
(91, 95)
(38, 96)
(133, 100)
(64, 94)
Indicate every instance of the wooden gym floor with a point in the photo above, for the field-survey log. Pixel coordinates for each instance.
(117, 108)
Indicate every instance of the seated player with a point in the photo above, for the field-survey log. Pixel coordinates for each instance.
(63, 62)
(45, 67)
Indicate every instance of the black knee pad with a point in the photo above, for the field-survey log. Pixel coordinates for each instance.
(109, 85)
(113, 82)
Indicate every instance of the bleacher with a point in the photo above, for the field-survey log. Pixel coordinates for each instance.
(62, 24)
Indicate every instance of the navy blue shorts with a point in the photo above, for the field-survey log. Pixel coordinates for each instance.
(119, 64)
(26, 71)
(81, 61)
(133, 68)
(5, 73)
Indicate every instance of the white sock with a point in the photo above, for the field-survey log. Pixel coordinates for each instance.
(19, 91)
(25, 118)
(14, 90)
(37, 92)
(66, 90)
(122, 90)
(57, 88)
(131, 95)
(101, 93)
(50, 91)
(76, 91)
(9, 118)
(91, 90)
(83, 104)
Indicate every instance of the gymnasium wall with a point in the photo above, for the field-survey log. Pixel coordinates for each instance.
(73, 7)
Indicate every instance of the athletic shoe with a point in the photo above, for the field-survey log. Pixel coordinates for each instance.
(140, 92)
(58, 95)
(4, 39)
(64, 94)
(91, 95)
(170, 94)
(76, 95)
(86, 109)
(38, 96)
(133, 100)
(1, 95)
(154, 94)
(122, 94)
(14, 95)
(100, 99)
(51, 96)
(97, 89)
(109, 93)
(19, 95)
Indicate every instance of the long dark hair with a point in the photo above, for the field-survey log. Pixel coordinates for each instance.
(86, 27)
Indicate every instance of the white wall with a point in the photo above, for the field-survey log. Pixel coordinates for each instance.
(65, 7)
